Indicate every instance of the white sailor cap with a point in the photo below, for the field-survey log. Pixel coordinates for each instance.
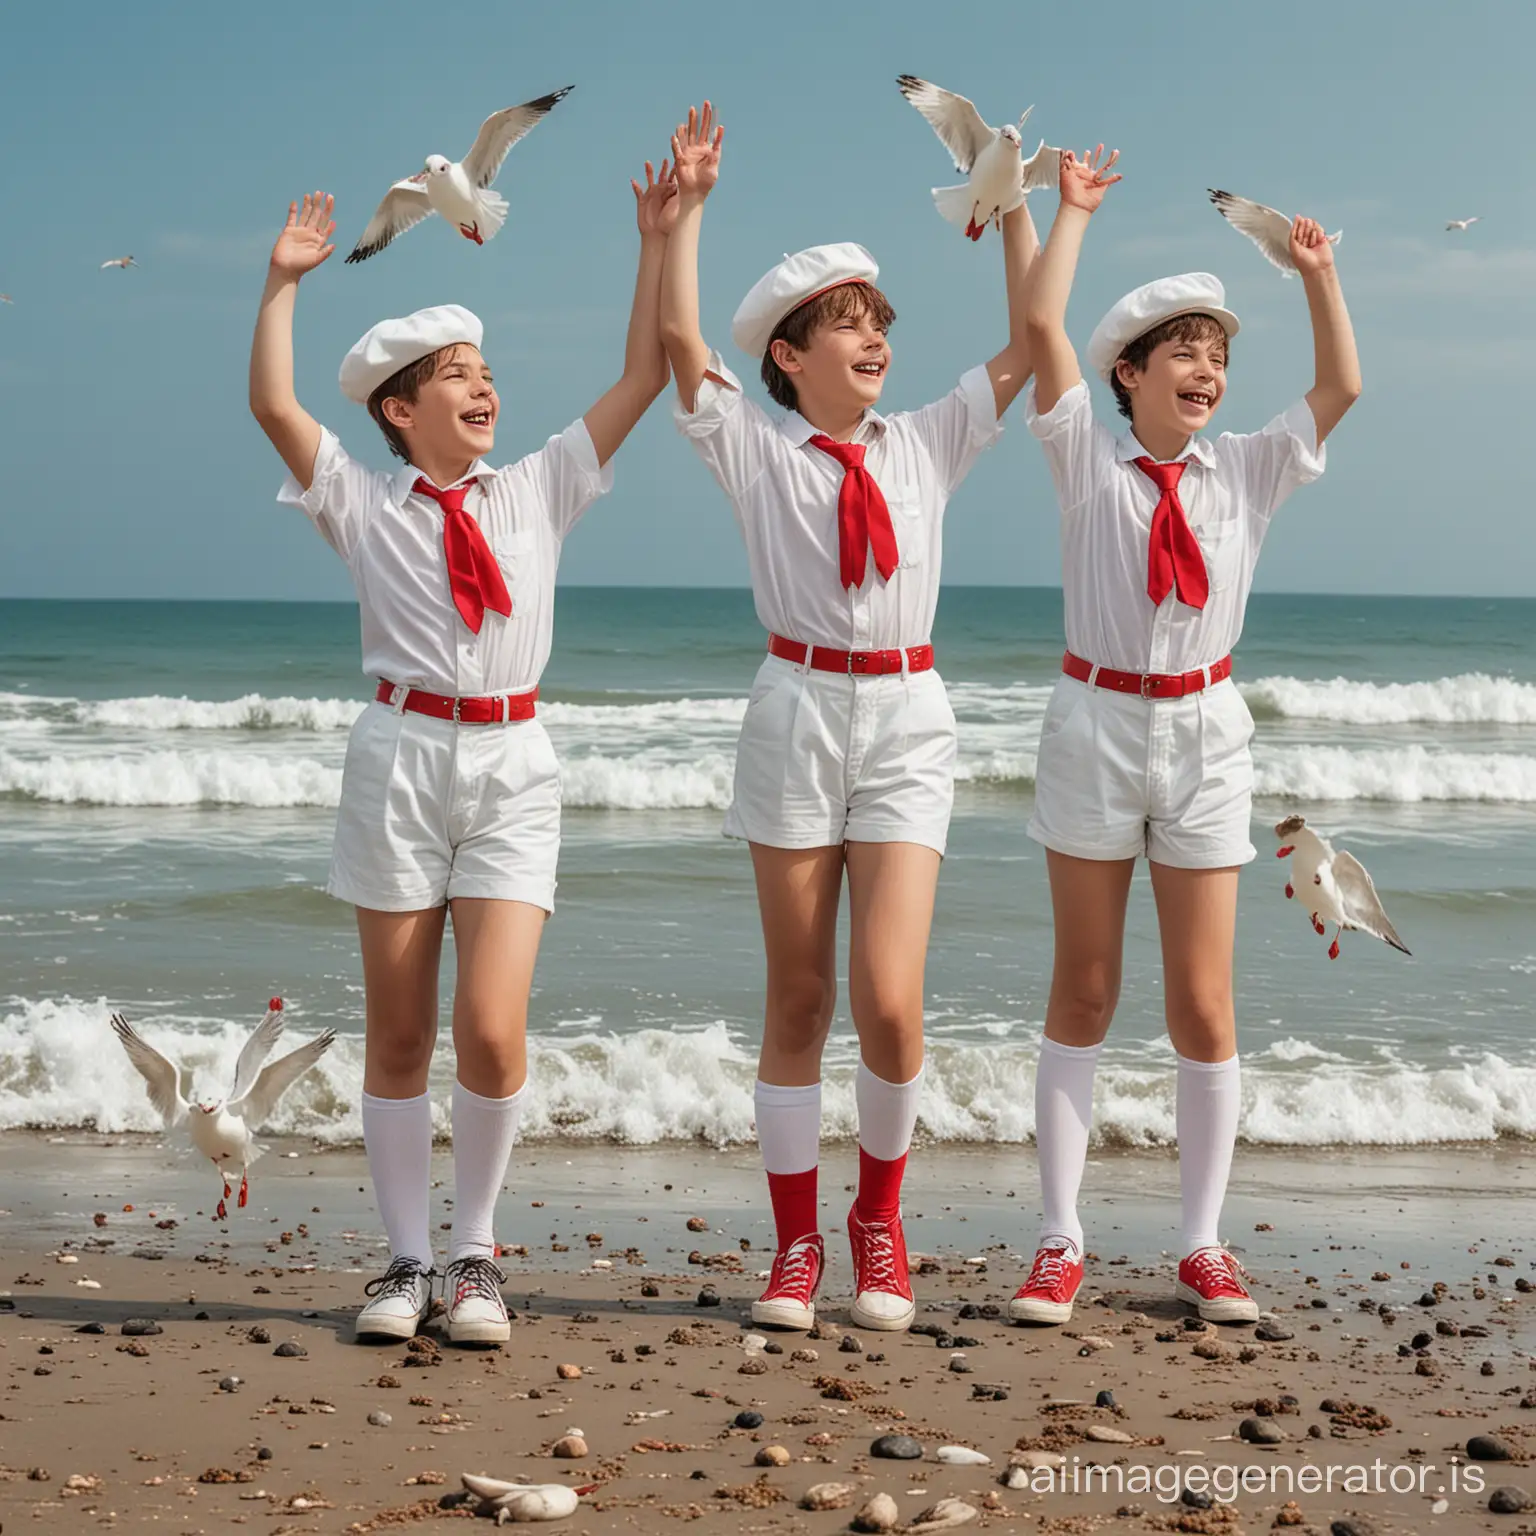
(795, 281)
(394, 344)
(1190, 293)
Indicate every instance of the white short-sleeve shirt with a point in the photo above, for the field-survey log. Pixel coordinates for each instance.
(785, 493)
(1231, 488)
(392, 541)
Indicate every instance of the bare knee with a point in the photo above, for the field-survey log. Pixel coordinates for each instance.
(1082, 1003)
(399, 1052)
(800, 1011)
(1202, 1023)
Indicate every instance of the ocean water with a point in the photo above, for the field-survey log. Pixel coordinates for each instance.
(168, 774)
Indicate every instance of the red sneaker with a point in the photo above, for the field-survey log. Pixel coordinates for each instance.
(1048, 1294)
(789, 1301)
(882, 1293)
(1208, 1279)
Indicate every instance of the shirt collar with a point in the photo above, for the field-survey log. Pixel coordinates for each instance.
(407, 477)
(1127, 448)
(799, 431)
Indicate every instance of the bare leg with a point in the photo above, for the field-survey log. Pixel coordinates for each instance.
(1088, 899)
(497, 944)
(401, 952)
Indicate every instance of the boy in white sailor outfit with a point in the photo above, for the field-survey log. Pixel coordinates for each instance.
(847, 752)
(451, 793)
(1144, 747)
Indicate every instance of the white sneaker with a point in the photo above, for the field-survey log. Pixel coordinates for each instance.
(402, 1297)
(476, 1312)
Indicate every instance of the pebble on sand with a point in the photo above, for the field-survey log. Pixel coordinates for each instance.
(897, 1448)
(140, 1327)
(962, 1456)
(879, 1514)
(944, 1515)
(771, 1456)
(1510, 1500)
(379, 1419)
(568, 1372)
(1109, 1435)
(827, 1496)
(570, 1447)
(1489, 1448)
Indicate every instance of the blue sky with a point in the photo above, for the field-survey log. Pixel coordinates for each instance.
(179, 133)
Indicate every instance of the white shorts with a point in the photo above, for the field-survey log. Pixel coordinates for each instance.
(1120, 776)
(431, 811)
(825, 759)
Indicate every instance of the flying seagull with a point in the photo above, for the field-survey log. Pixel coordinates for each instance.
(1268, 228)
(119, 261)
(1464, 223)
(224, 1129)
(460, 191)
(5, 298)
(1334, 887)
(1000, 178)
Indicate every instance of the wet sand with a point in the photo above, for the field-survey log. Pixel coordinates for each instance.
(638, 1269)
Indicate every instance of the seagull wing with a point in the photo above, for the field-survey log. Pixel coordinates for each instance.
(255, 1052)
(404, 205)
(957, 123)
(1362, 906)
(276, 1080)
(501, 130)
(158, 1071)
(1268, 228)
(1042, 170)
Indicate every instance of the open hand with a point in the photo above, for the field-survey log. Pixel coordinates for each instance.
(656, 201)
(1310, 247)
(1084, 181)
(695, 156)
(302, 245)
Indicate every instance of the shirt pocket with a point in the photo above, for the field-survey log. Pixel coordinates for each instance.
(518, 556)
(911, 529)
(1221, 543)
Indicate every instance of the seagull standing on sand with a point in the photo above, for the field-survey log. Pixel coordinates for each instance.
(224, 1130)
(1268, 228)
(1335, 887)
(119, 261)
(458, 191)
(1464, 223)
(1000, 178)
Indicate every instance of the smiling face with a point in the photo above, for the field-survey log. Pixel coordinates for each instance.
(1170, 381)
(829, 358)
(441, 410)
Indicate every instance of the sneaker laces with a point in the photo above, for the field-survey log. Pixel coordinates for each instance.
(798, 1269)
(877, 1251)
(1219, 1265)
(399, 1279)
(477, 1277)
(1048, 1270)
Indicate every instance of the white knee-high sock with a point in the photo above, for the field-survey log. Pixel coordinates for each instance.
(484, 1131)
(1209, 1102)
(887, 1113)
(788, 1126)
(1063, 1118)
(398, 1136)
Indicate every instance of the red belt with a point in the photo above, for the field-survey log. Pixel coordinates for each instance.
(919, 658)
(493, 710)
(1150, 685)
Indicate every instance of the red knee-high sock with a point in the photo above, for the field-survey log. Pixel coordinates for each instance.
(794, 1205)
(879, 1197)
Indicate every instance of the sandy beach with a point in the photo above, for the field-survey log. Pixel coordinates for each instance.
(1399, 1326)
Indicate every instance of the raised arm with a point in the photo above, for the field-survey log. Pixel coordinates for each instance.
(1338, 384)
(1010, 369)
(1083, 183)
(614, 416)
(300, 248)
(696, 156)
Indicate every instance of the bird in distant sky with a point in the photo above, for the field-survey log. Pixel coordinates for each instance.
(119, 261)
(459, 191)
(5, 298)
(1268, 228)
(224, 1130)
(1332, 886)
(1463, 223)
(992, 158)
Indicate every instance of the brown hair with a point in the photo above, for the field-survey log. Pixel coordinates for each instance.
(406, 385)
(1180, 328)
(848, 301)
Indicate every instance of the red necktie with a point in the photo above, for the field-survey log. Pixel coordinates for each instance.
(473, 573)
(863, 519)
(1174, 559)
